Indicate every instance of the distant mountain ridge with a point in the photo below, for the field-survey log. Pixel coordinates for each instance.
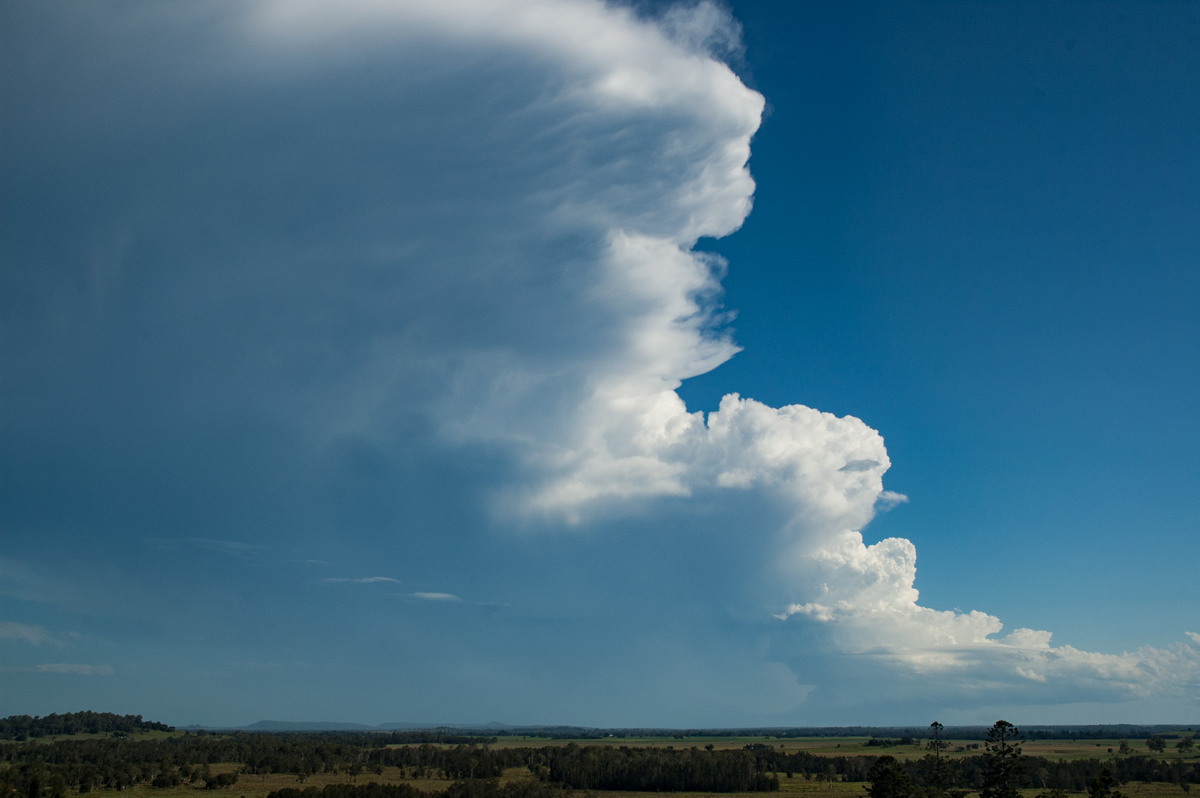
(285, 725)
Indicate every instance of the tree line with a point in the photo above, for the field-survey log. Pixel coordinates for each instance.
(1002, 770)
(602, 767)
(24, 727)
(53, 768)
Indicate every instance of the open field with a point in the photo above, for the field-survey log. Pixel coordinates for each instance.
(858, 746)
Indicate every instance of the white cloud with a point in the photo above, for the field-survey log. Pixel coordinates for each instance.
(866, 611)
(436, 596)
(659, 135)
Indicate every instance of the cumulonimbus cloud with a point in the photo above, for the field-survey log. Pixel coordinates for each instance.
(502, 246)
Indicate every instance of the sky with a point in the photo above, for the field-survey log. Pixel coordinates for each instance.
(565, 362)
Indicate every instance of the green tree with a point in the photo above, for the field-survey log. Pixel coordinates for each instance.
(1002, 764)
(1156, 744)
(1123, 749)
(1184, 745)
(1103, 785)
(888, 779)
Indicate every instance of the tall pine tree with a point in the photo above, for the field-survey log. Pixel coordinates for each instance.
(1002, 767)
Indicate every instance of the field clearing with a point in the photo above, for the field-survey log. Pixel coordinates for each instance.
(1097, 749)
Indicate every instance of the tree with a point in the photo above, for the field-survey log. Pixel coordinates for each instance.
(1184, 745)
(1102, 786)
(1156, 744)
(1123, 749)
(939, 775)
(888, 780)
(936, 744)
(1002, 764)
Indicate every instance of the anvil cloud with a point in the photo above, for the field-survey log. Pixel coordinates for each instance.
(406, 284)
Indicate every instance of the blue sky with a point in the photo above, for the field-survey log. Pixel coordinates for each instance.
(534, 362)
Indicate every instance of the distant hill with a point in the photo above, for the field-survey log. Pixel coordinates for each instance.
(299, 726)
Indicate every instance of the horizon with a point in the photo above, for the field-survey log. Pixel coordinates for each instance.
(700, 731)
(282, 725)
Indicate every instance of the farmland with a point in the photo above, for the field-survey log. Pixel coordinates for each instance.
(153, 761)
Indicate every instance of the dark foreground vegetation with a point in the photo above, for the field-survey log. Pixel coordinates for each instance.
(90, 752)
(476, 788)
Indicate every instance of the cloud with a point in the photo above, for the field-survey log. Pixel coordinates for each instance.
(436, 596)
(312, 266)
(74, 669)
(865, 617)
(228, 548)
(12, 630)
(703, 27)
(362, 580)
(889, 499)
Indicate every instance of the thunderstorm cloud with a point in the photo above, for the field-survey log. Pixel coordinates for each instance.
(368, 271)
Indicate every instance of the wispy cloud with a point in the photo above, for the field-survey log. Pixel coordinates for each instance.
(229, 548)
(85, 586)
(12, 630)
(21, 580)
(360, 580)
(74, 669)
